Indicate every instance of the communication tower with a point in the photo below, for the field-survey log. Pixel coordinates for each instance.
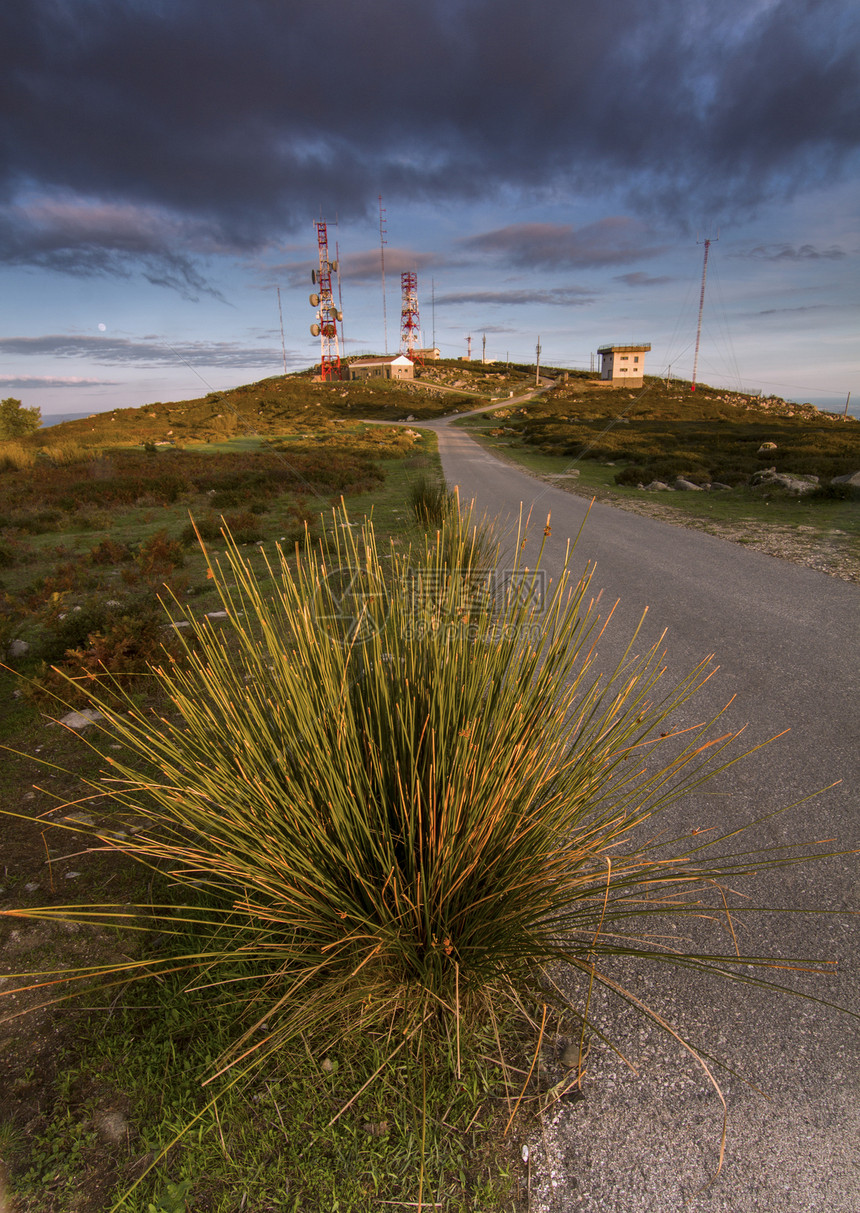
(328, 315)
(701, 309)
(410, 327)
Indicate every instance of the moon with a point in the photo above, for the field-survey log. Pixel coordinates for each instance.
(102, 328)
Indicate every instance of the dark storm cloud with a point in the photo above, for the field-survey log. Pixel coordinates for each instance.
(353, 267)
(788, 252)
(562, 297)
(365, 266)
(89, 239)
(788, 311)
(244, 117)
(612, 241)
(637, 278)
(116, 351)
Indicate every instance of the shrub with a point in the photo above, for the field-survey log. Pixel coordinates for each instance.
(17, 421)
(71, 629)
(100, 647)
(110, 552)
(14, 455)
(38, 522)
(158, 556)
(406, 794)
(65, 453)
(430, 500)
(9, 554)
(244, 526)
(833, 491)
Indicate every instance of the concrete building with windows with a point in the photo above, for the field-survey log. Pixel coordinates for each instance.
(389, 366)
(623, 365)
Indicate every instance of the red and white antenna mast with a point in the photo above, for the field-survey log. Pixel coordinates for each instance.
(328, 316)
(410, 326)
(701, 309)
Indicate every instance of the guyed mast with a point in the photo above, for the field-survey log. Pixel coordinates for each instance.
(701, 309)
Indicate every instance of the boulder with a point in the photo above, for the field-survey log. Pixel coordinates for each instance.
(853, 479)
(686, 486)
(766, 446)
(81, 720)
(17, 648)
(794, 484)
(716, 485)
(657, 486)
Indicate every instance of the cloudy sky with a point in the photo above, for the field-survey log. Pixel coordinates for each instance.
(550, 169)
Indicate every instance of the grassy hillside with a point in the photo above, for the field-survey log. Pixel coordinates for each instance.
(660, 433)
(284, 404)
(95, 525)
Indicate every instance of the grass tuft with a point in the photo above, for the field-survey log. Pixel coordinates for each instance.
(392, 790)
(431, 501)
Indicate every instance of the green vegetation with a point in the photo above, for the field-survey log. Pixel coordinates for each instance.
(372, 806)
(283, 405)
(390, 795)
(430, 501)
(603, 442)
(662, 433)
(88, 603)
(16, 421)
(124, 1094)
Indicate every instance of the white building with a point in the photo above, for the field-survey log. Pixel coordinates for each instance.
(390, 366)
(624, 365)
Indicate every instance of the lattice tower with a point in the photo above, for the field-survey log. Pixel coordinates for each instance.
(410, 325)
(328, 315)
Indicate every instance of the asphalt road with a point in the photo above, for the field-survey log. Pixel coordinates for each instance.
(786, 641)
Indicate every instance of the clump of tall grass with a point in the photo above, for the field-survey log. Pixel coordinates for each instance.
(406, 792)
(431, 501)
(63, 454)
(16, 456)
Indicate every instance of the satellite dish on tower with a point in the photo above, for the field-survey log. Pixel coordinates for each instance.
(315, 300)
(315, 330)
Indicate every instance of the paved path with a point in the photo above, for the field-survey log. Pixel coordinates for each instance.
(786, 640)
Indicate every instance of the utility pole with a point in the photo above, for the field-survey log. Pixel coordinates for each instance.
(433, 308)
(845, 414)
(669, 375)
(469, 348)
(537, 363)
(340, 299)
(284, 348)
(484, 351)
(382, 243)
